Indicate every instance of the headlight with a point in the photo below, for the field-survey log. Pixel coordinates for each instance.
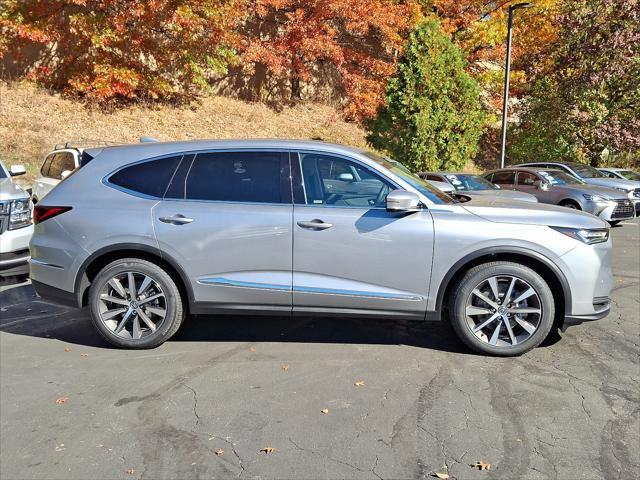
(595, 198)
(625, 190)
(588, 236)
(19, 214)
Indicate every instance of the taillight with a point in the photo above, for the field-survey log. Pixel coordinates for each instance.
(45, 212)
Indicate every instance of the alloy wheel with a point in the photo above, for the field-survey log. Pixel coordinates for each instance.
(132, 305)
(503, 311)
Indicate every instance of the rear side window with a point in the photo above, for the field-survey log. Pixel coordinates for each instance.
(62, 161)
(44, 171)
(148, 178)
(504, 178)
(256, 177)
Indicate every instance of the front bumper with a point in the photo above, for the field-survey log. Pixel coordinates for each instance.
(602, 308)
(613, 211)
(14, 251)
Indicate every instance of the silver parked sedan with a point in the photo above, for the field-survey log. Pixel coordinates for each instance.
(560, 188)
(476, 186)
(146, 234)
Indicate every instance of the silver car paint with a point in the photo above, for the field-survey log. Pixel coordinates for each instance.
(240, 256)
(561, 193)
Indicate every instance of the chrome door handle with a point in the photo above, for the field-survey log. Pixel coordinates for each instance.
(177, 219)
(315, 224)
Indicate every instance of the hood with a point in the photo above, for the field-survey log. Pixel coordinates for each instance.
(10, 191)
(607, 192)
(613, 183)
(503, 194)
(501, 211)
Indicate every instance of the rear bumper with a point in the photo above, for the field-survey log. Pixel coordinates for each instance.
(55, 295)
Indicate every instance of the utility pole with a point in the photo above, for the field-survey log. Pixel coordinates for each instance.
(507, 72)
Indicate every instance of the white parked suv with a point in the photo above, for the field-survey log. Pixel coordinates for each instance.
(57, 165)
(16, 225)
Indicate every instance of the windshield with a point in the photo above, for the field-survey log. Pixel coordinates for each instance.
(470, 182)
(559, 178)
(425, 188)
(587, 171)
(629, 175)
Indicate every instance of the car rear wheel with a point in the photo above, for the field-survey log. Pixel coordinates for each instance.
(502, 308)
(135, 304)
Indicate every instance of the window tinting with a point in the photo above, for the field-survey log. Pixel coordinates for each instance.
(44, 171)
(527, 179)
(238, 177)
(504, 178)
(149, 178)
(334, 181)
(62, 161)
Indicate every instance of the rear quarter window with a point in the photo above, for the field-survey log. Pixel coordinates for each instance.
(147, 178)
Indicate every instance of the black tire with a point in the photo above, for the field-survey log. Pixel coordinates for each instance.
(570, 204)
(462, 292)
(172, 303)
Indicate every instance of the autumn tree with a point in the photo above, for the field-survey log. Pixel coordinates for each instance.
(289, 45)
(115, 49)
(588, 106)
(431, 119)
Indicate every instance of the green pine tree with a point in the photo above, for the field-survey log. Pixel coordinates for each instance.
(432, 118)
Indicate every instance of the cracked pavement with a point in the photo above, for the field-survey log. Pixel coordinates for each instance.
(567, 410)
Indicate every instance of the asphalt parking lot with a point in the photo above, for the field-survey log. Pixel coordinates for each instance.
(72, 407)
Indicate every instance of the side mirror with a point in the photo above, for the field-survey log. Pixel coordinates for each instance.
(544, 186)
(346, 177)
(65, 174)
(16, 170)
(402, 201)
(497, 186)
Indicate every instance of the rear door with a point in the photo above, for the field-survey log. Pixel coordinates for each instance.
(226, 219)
(349, 254)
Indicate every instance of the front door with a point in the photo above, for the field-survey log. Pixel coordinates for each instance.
(226, 219)
(350, 255)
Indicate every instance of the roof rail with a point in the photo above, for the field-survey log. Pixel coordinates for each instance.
(148, 140)
(86, 144)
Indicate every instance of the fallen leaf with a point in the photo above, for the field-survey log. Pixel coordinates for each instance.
(219, 451)
(67, 349)
(84, 354)
(252, 349)
(131, 471)
(62, 400)
(440, 475)
(359, 383)
(481, 465)
(267, 450)
(285, 367)
(325, 410)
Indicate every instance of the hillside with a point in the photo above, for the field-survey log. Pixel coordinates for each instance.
(32, 120)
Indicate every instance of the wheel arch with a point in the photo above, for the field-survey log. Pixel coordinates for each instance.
(549, 271)
(99, 259)
(566, 200)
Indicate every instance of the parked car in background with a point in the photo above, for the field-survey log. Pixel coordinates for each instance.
(560, 188)
(16, 226)
(61, 162)
(144, 235)
(476, 186)
(593, 176)
(443, 186)
(623, 173)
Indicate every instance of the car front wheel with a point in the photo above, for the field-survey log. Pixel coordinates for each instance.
(502, 308)
(135, 304)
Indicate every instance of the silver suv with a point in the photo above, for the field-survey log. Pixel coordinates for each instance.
(146, 234)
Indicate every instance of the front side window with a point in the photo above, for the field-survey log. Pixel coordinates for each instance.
(148, 178)
(526, 179)
(330, 180)
(252, 177)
